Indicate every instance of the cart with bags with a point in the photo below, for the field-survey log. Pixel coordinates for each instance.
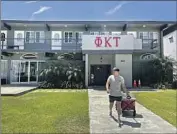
(128, 104)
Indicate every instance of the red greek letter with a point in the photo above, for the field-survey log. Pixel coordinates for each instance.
(107, 44)
(98, 41)
(116, 38)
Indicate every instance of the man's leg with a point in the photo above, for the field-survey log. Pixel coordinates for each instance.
(110, 108)
(111, 103)
(119, 110)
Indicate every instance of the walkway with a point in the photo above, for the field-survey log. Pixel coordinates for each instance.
(15, 90)
(144, 122)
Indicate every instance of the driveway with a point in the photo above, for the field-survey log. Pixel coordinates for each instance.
(144, 122)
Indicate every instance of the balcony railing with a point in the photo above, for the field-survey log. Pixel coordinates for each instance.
(56, 44)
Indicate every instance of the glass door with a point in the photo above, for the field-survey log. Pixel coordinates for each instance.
(33, 71)
(15, 71)
(24, 69)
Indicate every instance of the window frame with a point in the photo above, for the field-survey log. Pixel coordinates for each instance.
(97, 33)
(171, 40)
(116, 33)
(34, 39)
(80, 33)
(68, 38)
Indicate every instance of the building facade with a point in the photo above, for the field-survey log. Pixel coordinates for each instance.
(104, 44)
(170, 45)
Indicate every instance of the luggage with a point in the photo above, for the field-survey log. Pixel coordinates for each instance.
(128, 105)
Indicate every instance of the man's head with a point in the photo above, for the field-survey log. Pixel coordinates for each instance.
(115, 71)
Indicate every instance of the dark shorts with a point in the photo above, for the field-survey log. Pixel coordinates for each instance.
(114, 98)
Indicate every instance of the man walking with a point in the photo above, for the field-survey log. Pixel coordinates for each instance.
(114, 85)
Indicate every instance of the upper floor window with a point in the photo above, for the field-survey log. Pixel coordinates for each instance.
(149, 37)
(56, 37)
(94, 33)
(79, 37)
(19, 36)
(132, 33)
(3, 39)
(171, 39)
(34, 37)
(116, 33)
(68, 37)
(104, 33)
(56, 40)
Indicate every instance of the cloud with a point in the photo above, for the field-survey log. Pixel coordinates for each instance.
(115, 9)
(39, 11)
(29, 2)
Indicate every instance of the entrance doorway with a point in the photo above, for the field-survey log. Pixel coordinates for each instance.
(99, 74)
(24, 71)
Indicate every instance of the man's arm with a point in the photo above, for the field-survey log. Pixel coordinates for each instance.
(124, 87)
(107, 84)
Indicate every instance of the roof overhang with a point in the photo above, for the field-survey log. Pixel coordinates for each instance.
(84, 24)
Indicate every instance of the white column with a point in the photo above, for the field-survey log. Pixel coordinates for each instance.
(86, 70)
(124, 63)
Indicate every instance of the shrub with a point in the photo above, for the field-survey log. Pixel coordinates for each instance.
(174, 84)
(63, 74)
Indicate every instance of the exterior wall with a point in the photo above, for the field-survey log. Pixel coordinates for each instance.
(170, 49)
(112, 59)
(46, 46)
(124, 63)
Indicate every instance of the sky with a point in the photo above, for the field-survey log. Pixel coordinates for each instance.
(90, 10)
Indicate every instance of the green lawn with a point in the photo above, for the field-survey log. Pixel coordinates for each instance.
(162, 103)
(46, 112)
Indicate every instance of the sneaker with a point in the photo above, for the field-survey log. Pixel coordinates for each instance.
(119, 122)
(110, 113)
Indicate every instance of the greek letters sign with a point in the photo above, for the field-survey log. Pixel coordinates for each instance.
(107, 42)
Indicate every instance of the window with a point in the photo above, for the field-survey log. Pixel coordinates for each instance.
(68, 37)
(56, 37)
(3, 39)
(116, 33)
(56, 40)
(19, 37)
(171, 39)
(104, 33)
(34, 37)
(79, 37)
(4, 69)
(155, 37)
(144, 36)
(132, 33)
(37, 37)
(149, 37)
(94, 33)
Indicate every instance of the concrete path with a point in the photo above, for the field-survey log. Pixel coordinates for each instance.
(144, 122)
(15, 90)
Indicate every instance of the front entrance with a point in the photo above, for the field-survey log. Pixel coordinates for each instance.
(99, 74)
(24, 71)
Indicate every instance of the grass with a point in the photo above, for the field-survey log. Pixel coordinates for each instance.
(46, 112)
(162, 103)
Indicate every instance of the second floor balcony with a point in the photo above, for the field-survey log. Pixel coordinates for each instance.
(65, 44)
